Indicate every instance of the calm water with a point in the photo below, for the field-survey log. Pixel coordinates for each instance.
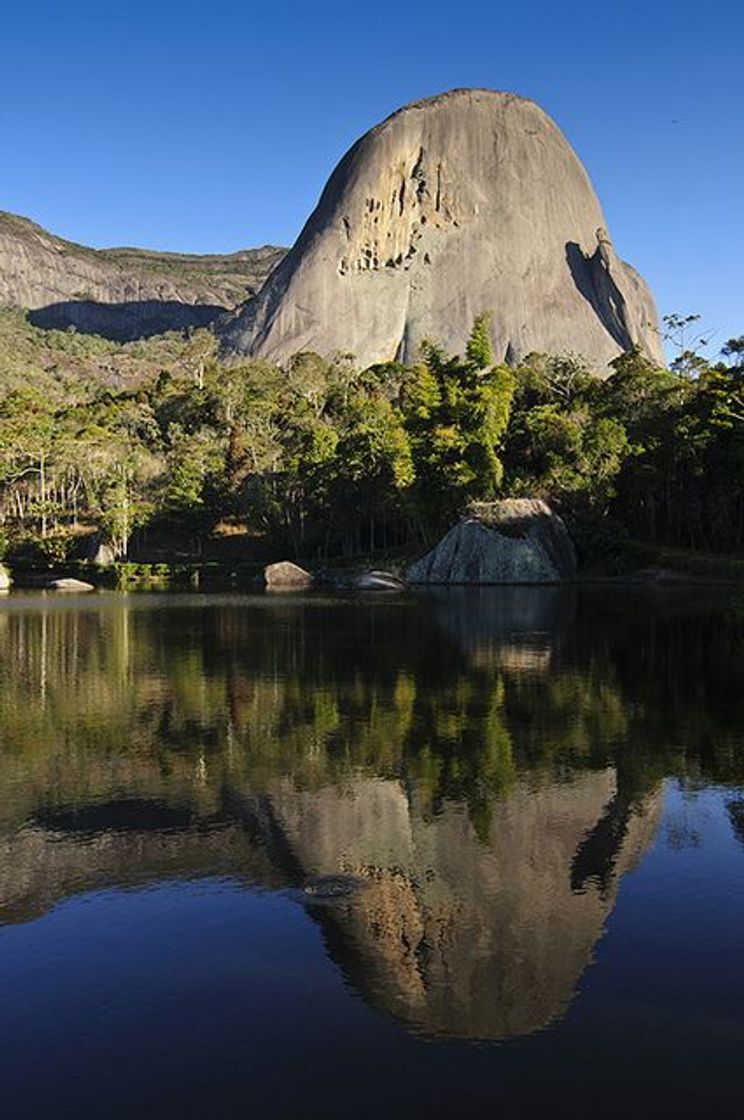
(459, 854)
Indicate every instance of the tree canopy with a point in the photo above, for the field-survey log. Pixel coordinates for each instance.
(319, 458)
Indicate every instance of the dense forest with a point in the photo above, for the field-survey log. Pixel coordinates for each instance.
(159, 445)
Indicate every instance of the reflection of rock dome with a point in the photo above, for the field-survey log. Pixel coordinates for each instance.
(456, 936)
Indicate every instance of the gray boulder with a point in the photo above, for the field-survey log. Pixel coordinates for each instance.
(518, 540)
(284, 575)
(66, 583)
(100, 552)
(378, 581)
(5, 580)
(472, 201)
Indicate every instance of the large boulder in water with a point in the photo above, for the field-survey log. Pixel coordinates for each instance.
(518, 540)
(469, 202)
(284, 575)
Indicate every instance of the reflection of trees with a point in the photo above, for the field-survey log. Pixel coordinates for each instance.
(194, 698)
(489, 765)
(736, 816)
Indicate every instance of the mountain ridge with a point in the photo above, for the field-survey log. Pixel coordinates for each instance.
(122, 292)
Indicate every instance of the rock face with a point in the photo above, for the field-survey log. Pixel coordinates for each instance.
(121, 293)
(469, 202)
(100, 552)
(519, 540)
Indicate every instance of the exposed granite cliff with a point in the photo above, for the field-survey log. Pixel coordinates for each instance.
(121, 293)
(467, 202)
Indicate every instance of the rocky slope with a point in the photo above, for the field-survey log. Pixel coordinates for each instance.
(467, 202)
(121, 293)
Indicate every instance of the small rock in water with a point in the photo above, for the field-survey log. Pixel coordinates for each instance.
(655, 576)
(332, 888)
(69, 584)
(378, 581)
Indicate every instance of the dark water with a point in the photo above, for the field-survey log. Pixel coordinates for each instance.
(464, 854)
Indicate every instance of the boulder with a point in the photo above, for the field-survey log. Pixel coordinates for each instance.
(378, 581)
(468, 202)
(68, 584)
(284, 575)
(100, 552)
(5, 580)
(518, 540)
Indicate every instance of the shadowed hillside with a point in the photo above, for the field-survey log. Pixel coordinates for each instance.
(123, 293)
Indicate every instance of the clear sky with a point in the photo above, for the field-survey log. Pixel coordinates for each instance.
(213, 126)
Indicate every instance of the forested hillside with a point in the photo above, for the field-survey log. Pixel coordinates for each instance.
(156, 444)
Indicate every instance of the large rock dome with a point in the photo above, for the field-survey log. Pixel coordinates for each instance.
(467, 202)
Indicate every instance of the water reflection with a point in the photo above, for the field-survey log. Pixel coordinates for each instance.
(461, 934)
(487, 764)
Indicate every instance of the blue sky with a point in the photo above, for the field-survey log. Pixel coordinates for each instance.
(213, 126)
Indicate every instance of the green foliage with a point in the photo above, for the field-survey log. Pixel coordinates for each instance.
(160, 441)
(562, 444)
(658, 452)
(479, 350)
(456, 411)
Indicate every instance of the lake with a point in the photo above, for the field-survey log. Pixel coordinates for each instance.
(456, 853)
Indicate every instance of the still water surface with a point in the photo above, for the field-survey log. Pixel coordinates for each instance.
(455, 854)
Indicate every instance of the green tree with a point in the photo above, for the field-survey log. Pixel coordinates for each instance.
(28, 433)
(373, 469)
(456, 411)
